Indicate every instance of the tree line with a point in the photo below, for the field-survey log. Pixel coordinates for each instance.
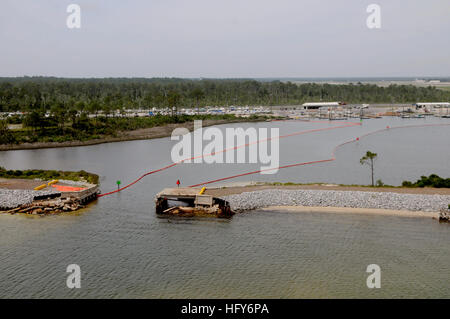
(46, 94)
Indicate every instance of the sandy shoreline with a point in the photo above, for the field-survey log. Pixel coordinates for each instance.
(351, 210)
(343, 200)
(141, 134)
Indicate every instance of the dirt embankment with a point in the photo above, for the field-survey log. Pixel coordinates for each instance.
(141, 134)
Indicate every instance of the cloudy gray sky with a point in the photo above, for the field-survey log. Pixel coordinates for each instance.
(225, 38)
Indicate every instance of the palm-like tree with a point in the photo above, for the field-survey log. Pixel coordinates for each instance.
(369, 159)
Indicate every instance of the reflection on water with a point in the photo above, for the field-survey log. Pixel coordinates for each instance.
(124, 250)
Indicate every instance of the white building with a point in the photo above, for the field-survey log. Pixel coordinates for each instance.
(317, 105)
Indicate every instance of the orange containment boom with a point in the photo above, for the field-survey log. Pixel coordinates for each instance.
(62, 188)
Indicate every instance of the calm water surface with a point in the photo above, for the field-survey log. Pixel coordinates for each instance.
(124, 250)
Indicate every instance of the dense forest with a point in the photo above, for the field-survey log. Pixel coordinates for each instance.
(93, 95)
(59, 110)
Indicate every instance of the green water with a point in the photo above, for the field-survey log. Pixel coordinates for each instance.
(254, 255)
(124, 250)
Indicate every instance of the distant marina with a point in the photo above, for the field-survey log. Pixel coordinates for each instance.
(309, 110)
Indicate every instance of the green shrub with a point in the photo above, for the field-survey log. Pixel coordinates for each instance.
(431, 181)
(407, 184)
(50, 175)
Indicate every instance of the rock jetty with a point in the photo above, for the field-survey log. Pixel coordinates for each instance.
(12, 198)
(330, 198)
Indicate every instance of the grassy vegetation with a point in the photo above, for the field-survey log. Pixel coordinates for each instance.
(431, 181)
(379, 184)
(48, 175)
(83, 128)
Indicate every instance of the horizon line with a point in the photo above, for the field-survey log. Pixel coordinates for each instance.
(419, 77)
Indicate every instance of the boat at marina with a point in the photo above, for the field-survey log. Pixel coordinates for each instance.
(338, 118)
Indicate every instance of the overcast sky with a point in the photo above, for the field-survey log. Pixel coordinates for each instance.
(225, 38)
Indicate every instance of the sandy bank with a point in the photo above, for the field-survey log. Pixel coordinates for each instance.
(351, 210)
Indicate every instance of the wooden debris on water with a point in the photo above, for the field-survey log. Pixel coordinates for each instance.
(189, 202)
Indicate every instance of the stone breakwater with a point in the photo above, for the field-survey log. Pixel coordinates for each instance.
(329, 198)
(14, 198)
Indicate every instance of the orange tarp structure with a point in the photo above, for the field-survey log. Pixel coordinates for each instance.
(62, 188)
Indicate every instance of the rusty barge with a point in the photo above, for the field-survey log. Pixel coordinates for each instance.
(189, 202)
